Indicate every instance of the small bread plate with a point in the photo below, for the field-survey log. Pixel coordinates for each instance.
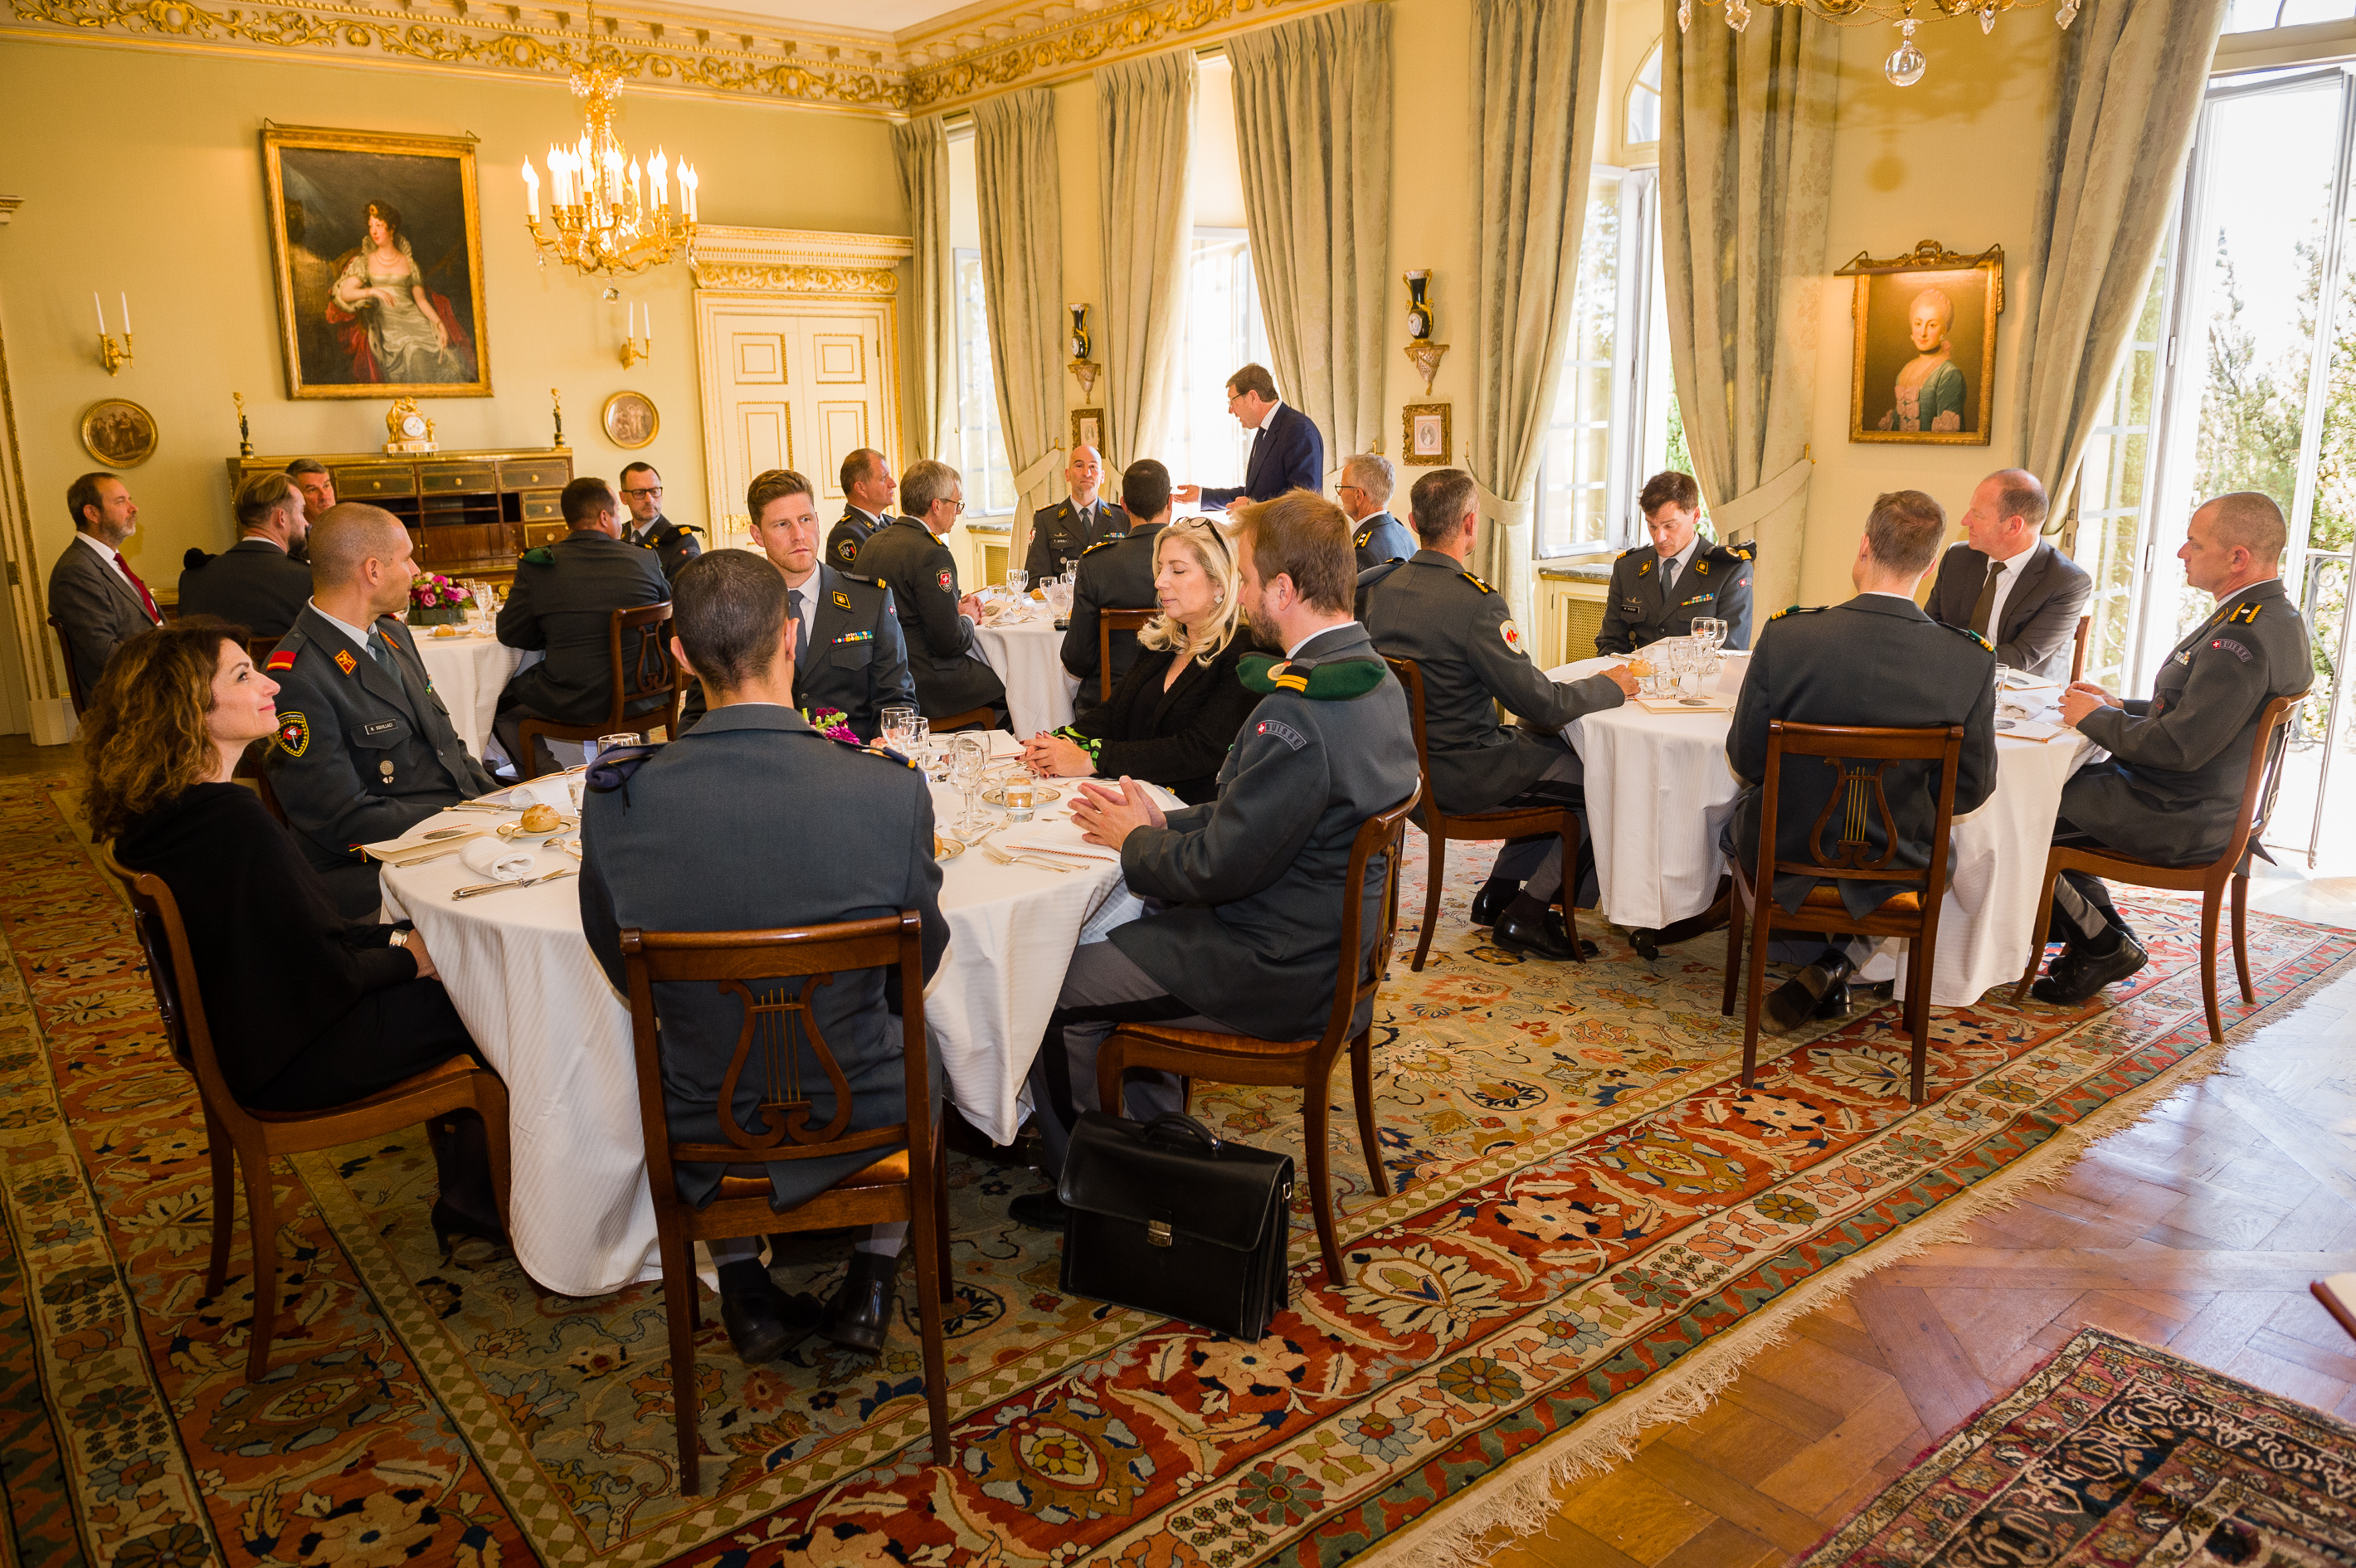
(949, 848)
(1041, 795)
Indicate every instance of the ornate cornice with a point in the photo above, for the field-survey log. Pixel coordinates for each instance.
(798, 261)
(962, 60)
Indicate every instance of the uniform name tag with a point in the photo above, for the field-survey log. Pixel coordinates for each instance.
(2235, 649)
(1282, 731)
(379, 726)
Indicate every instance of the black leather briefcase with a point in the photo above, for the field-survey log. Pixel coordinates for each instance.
(1165, 1217)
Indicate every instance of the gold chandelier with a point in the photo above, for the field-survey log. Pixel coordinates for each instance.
(1906, 63)
(606, 220)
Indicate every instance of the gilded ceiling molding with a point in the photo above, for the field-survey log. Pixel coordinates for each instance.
(710, 56)
(798, 261)
(1034, 43)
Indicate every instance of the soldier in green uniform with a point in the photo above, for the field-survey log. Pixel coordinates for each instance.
(1659, 589)
(867, 486)
(1061, 533)
(1116, 575)
(2172, 786)
(674, 544)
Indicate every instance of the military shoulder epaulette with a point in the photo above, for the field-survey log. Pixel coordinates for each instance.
(1363, 534)
(1731, 551)
(1967, 631)
(687, 528)
(1331, 682)
(1628, 552)
(543, 556)
(1476, 582)
(280, 658)
(1103, 545)
(880, 581)
(2245, 614)
(1796, 610)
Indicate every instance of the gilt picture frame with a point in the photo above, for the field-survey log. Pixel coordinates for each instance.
(1923, 367)
(1426, 435)
(376, 253)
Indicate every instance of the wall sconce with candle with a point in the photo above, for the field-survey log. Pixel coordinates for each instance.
(636, 349)
(1083, 368)
(112, 357)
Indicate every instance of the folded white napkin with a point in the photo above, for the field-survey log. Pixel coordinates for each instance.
(499, 860)
(1058, 833)
(553, 790)
(2026, 729)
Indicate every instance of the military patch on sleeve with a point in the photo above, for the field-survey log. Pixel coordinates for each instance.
(1476, 582)
(2235, 649)
(2244, 616)
(1512, 634)
(842, 598)
(345, 662)
(293, 734)
(848, 551)
(949, 583)
(284, 659)
(1282, 731)
(1968, 635)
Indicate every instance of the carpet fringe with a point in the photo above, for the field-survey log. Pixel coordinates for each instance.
(1518, 1498)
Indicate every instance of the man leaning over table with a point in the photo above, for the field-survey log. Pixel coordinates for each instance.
(1877, 660)
(1253, 882)
(1460, 634)
(2171, 790)
(639, 871)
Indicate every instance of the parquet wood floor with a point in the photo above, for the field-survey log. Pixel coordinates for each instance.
(2198, 1229)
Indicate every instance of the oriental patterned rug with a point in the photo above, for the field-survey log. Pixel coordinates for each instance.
(1595, 1225)
(2113, 1454)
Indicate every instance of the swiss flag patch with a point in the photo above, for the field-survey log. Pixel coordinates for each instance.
(948, 584)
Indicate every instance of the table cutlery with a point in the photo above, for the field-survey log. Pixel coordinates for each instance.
(497, 887)
(1003, 858)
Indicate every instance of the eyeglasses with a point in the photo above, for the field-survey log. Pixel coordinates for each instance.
(633, 494)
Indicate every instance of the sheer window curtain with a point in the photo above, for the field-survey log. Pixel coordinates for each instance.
(921, 151)
(1145, 142)
(1017, 185)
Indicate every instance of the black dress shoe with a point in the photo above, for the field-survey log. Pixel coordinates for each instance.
(860, 1315)
(1547, 937)
(2088, 973)
(1561, 927)
(1039, 1210)
(763, 1322)
(1836, 1004)
(1491, 901)
(1797, 999)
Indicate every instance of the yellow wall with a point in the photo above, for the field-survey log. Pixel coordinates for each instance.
(141, 172)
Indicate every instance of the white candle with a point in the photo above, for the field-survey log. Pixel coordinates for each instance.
(531, 189)
(126, 314)
(102, 312)
(631, 317)
(658, 170)
(637, 199)
(650, 328)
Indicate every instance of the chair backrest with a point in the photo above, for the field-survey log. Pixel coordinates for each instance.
(250, 770)
(649, 671)
(1858, 799)
(1109, 622)
(260, 649)
(74, 676)
(172, 971)
(1384, 834)
(2078, 649)
(2264, 778)
(776, 1021)
(1410, 679)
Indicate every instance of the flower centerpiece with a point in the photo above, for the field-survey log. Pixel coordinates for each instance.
(435, 600)
(834, 724)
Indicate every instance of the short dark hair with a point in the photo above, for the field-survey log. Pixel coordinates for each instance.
(1437, 503)
(301, 466)
(1253, 378)
(1669, 488)
(629, 468)
(83, 492)
(1904, 531)
(260, 496)
(585, 498)
(855, 466)
(774, 485)
(1145, 489)
(1303, 536)
(728, 609)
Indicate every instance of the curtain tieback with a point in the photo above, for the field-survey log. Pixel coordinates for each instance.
(1036, 475)
(1745, 511)
(1511, 514)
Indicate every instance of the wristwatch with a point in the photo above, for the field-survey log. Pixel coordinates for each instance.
(398, 940)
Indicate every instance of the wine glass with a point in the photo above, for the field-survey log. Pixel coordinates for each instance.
(482, 592)
(1692, 668)
(899, 727)
(968, 760)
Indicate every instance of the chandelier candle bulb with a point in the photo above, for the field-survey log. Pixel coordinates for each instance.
(659, 172)
(531, 190)
(126, 314)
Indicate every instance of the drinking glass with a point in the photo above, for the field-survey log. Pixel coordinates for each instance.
(920, 746)
(1017, 581)
(968, 760)
(899, 730)
(482, 592)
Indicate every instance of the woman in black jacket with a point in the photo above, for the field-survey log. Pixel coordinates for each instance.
(1174, 716)
(306, 1009)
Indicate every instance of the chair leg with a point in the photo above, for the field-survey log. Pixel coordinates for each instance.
(491, 1105)
(1362, 1084)
(1315, 1103)
(1918, 1014)
(1438, 847)
(1733, 952)
(224, 1159)
(941, 1213)
(1570, 837)
(1757, 982)
(930, 1293)
(680, 1286)
(262, 1216)
(2209, 913)
(1112, 1062)
(2037, 936)
(2242, 938)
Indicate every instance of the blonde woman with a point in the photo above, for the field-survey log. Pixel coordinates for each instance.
(1174, 714)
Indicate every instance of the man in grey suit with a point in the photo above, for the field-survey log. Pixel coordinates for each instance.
(1365, 492)
(2005, 581)
(97, 598)
(1254, 882)
(639, 871)
(1061, 533)
(1876, 660)
(1116, 575)
(257, 583)
(1460, 632)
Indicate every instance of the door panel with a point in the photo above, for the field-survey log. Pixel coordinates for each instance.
(763, 363)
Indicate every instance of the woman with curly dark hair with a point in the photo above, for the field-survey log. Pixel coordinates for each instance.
(307, 1009)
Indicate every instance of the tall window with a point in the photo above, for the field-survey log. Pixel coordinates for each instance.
(2113, 488)
(2259, 15)
(981, 446)
(1223, 333)
(1645, 102)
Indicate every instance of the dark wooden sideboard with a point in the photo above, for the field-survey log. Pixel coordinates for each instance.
(469, 513)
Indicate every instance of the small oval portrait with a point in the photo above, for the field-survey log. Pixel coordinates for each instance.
(630, 419)
(119, 432)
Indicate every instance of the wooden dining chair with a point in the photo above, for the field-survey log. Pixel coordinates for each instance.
(649, 674)
(1305, 1064)
(1511, 823)
(2208, 878)
(1108, 622)
(250, 771)
(972, 718)
(237, 1136)
(73, 677)
(1912, 914)
(2078, 649)
(908, 1180)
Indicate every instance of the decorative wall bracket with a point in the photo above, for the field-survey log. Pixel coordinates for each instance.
(1425, 357)
(1086, 372)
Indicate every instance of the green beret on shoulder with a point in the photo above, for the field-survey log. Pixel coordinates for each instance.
(1336, 682)
(543, 556)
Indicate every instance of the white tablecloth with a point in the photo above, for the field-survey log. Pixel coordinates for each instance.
(468, 672)
(1029, 657)
(539, 1006)
(1658, 790)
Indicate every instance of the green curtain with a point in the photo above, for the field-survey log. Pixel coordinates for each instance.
(920, 149)
(1537, 67)
(1746, 172)
(1018, 187)
(1145, 138)
(1313, 135)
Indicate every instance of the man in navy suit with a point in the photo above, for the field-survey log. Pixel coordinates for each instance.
(1286, 454)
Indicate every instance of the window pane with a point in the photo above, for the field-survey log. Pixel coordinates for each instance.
(1223, 334)
(2112, 524)
(981, 450)
(1575, 473)
(1644, 102)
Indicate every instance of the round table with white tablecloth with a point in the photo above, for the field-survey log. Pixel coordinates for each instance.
(1029, 657)
(545, 1016)
(468, 671)
(1658, 790)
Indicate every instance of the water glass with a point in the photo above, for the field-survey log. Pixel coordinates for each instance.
(968, 760)
(482, 592)
(899, 729)
(1017, 581)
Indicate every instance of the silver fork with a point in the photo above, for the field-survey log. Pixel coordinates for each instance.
(1003, 858)
(499, 886)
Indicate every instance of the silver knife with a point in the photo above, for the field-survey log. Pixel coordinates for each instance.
(497, 887)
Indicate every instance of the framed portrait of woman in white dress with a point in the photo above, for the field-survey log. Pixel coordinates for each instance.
(379, 260)
(1925, 353)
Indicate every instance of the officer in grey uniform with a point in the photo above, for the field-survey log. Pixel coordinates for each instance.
(365, 750)
(1116, 575)
(1460, 634)
(1061, 533)
(2172, 786)
(1365, 492)
(1877, 660)
(867, 482)
(256, 583)
(674, 544)
(562, 600)
(1255, 879)
(1660, 589)
(908, 557)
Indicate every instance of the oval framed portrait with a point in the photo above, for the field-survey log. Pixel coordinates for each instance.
(118, 432)
(630, 419)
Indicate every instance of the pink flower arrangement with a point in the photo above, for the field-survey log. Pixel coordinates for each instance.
(834, 724)
(432, 588)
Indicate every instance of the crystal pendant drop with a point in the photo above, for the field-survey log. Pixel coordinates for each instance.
(1737, 14)
(1905, 65)
(1684, 15)
(2067, 15)
(1988, 17)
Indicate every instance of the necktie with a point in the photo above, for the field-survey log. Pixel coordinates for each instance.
(381, 651)
(1985, 605)
(794, 608)
(1669, 575)
(146, 598)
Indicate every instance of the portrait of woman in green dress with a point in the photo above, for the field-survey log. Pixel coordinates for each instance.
(1930, 388)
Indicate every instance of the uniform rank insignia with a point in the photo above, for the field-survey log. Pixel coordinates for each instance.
(1282, 731)
(948, 584)
(1795, 610)
(841, 599)
(1363, 534)
(854, 636)
(1701, 568)
(345, 662)
(2246, 615)
(1476, 582)
(282, 659)
(1970, 635)
(1644, 568)
(2235, 649)
(1512, 634)
(293, 734)
(1739, 552)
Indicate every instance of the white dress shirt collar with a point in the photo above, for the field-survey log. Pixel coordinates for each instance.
(359, 635)
(108, 553)
(1313, 635)
(1674, 567)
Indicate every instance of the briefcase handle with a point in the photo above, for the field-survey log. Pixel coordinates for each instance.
(1173, 1126)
